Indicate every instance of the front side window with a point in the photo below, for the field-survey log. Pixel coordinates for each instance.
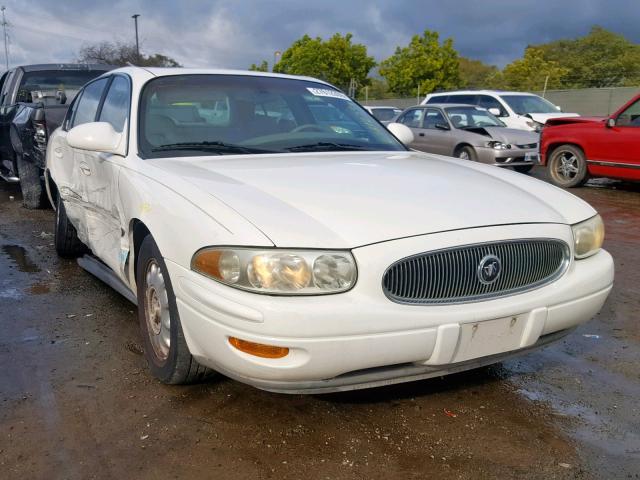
(115, 108)
(432, 118)
(523, 104)
(413, 118)
(630, 117)
(189, 115)
(471, 117)
(88, 103)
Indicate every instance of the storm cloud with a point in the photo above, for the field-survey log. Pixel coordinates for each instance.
(234, 34)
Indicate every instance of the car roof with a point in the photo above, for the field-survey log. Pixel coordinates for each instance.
(66, 66)
(147, 72)
(476, 92)
(447, 105)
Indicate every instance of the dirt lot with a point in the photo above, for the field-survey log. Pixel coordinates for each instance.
(77, 402)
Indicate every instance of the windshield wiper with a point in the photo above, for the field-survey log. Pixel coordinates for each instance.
(216, 147)
(329, 146)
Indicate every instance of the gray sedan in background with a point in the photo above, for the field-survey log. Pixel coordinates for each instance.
(471, 133)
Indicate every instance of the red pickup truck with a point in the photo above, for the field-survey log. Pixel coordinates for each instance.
(575, 149)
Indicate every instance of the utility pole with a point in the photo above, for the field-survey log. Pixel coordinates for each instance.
(6, 45)
(276, 55)
(135, 21)
(418, 96)
(544, 90)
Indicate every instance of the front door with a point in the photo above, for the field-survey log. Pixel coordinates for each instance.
(437, 132)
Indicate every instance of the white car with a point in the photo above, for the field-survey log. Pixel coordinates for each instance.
(524, 111)
(305, 255)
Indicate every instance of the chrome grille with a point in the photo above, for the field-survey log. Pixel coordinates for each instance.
(451, 275)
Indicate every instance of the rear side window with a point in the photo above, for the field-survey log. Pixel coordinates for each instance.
(413, 118)
(439, 99)
(115, 108)
(88, 103)
(463, 99)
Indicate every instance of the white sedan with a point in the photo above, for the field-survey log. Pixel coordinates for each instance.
(270, 229)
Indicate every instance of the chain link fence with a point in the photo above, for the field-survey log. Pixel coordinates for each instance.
(586, 101)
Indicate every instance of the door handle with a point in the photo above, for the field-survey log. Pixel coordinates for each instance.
(421, 134)
(57, 152)
(84, 168)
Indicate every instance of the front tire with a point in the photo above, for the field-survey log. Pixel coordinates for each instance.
(66, 240)
(466, 153)
(33, 192)
(165, 347)
(568, 167)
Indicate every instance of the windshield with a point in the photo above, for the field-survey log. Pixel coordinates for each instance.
(471, 117)
(49, 82)
(385, 114)
(523, 104)
(188, 115)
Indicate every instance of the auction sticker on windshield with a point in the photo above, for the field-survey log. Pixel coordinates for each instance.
(327, 92)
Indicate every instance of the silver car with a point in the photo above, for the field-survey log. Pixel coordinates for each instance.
(471, 133)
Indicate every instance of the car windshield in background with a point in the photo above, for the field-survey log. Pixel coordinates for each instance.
(523, 104)
(188, 115)
(48, 81)
(385, 114)
(471, 117)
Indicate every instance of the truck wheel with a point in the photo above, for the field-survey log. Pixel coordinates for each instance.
(33, 192)
(165, 347)
(66, 240)
(466, 153)
(568, 167)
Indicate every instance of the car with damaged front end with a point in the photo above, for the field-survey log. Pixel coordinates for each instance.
(303, 252)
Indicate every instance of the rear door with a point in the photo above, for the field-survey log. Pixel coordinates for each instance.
(71, 167)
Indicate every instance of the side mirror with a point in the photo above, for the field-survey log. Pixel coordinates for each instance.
(611, 122)
(494, 111)
(442, 126)
(97, 137)
(401, 132)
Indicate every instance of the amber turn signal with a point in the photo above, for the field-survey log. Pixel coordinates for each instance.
(259, 349)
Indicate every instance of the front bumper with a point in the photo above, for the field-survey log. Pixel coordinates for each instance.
(514, 157)
(361, 339)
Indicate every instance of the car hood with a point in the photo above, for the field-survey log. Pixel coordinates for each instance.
(509, 135)
(574, 120)
(543, 117)
(350, 199)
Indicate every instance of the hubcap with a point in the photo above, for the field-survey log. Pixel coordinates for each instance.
(464, 155)
(156, 311)
(567, 166)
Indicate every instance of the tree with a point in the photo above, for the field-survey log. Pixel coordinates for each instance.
(531, 72)
(336, 60)
(476, 74)
(263, 67)
(424, 63)
(120, 54)
(599, 59)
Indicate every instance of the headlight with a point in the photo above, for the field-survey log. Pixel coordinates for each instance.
(535, 126)
(588, 236)
(278, 271)
(498, 145)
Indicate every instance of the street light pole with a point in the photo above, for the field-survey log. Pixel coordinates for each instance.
(4, 30)
(135, 21)
(277, 54)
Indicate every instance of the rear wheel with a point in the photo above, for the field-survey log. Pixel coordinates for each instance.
(66, 240)
(568, 166)
(466, 153)
(33, 192)
(165, 347)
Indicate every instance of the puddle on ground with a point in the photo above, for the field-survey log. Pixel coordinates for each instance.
(20, 257)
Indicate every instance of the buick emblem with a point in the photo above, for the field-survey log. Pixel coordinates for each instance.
(489, 269)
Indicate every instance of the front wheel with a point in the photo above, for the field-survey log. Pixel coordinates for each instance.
(165, 347)
(33, 192)
(466, 153)
(568, 166)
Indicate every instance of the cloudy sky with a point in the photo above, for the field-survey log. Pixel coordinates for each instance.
(234, 34)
